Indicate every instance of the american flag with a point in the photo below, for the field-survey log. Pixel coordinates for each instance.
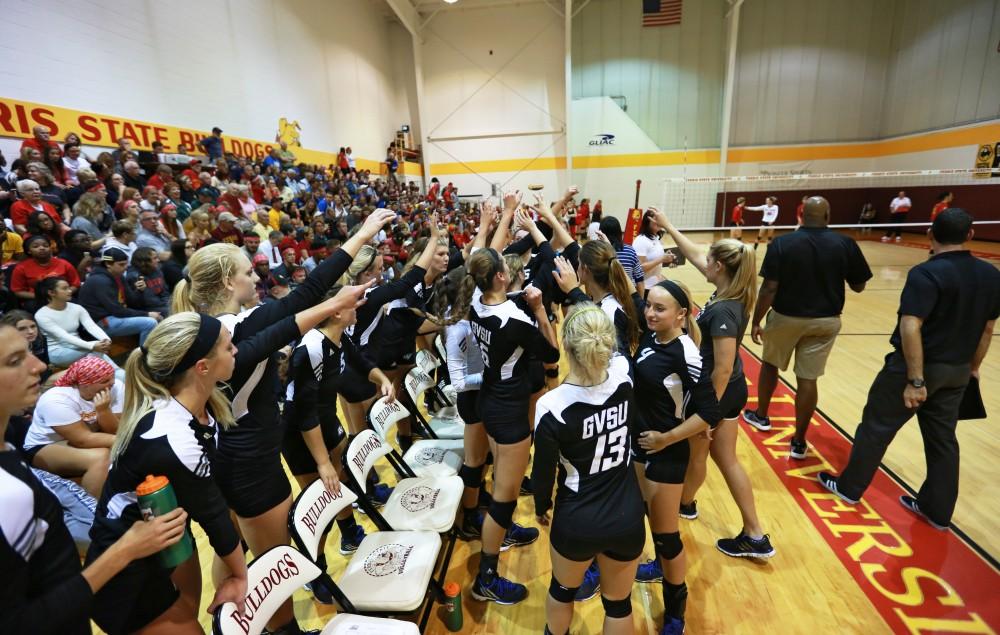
(661, 12)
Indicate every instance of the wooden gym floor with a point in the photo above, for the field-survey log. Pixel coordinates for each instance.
(838, 569)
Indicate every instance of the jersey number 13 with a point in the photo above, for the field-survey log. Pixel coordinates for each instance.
(610, 450)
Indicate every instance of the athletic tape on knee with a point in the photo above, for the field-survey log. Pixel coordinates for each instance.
(617, 608)
(472, 476)
(668, 545)
(502, 513)
(559, 593)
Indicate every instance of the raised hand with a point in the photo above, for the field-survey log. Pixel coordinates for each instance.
(376, 221)
(565, 275)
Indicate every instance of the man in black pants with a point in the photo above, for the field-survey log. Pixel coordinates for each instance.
(946, 315)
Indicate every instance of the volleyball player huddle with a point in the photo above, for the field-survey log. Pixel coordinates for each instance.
(647, 384)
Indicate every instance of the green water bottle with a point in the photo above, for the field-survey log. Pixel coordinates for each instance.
(156, 498)
(453, 607)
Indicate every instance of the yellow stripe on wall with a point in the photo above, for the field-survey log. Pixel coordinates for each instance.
(968, 136)
(499, 165)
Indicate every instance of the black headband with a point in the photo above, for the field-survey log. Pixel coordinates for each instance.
(675, 290)
(208, 335)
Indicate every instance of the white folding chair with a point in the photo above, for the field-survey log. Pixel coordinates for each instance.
(426, 457)
(347, 624)
(417, 503)
(427, 361)
(271, 579)
(390, 572)
(449, 426)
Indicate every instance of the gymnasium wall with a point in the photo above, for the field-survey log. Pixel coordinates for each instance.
(238, 64)
(944, 69)
(669, 78)
(495, 71)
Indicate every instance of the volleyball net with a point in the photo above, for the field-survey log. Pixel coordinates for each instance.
(705, 203)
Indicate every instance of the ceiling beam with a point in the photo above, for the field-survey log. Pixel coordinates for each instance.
(407, 15)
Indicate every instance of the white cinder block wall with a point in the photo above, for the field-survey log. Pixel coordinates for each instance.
(238, 64)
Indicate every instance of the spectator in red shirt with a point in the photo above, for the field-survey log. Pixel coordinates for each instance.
(31, 201)
(39, 264)
(40, 140)
(800, 210)
(191, 171)
(226, 232)
(162, 176)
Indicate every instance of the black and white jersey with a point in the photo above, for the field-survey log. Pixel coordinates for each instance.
(382, 300)
(506, 338)
(258, 334)
(613, 309)
(316, 374)
(44, 591)
(168, 441)
(670, 385)
(587, 433)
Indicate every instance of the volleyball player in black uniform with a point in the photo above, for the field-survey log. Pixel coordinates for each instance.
(392, 316)
(584, 427)
(173, 414)
(248, 462)
(731, 266)
(46, 592)
(327, 364)
(506, 337)
(668, 381)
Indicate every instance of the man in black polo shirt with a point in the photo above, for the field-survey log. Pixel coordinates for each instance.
(804, 274)
(946, 315)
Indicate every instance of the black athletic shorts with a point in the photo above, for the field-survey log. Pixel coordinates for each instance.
(506, 421)
(734, 398)
(139, 594)
(353, 387)
(666, 466)
(296, 452)
(252, 485)
(467, 408)
(571, 544)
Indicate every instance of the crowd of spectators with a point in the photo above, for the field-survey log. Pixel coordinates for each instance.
(93, 246)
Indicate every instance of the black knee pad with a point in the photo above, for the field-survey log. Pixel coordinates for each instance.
(669, 545)
(472, 476)
(617, 608)
(502, 513)
(559, 593)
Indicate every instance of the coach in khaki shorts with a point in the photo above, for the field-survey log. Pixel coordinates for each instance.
(804, 276)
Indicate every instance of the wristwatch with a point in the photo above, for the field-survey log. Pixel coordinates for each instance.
(916, 383)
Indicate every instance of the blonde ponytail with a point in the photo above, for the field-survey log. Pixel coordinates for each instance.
(740, 263)
(589, 338)
(204, 290)
(145, 373)
(362, 262)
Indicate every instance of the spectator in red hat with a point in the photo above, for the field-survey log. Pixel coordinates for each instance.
(263, 271)
(289, 261)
